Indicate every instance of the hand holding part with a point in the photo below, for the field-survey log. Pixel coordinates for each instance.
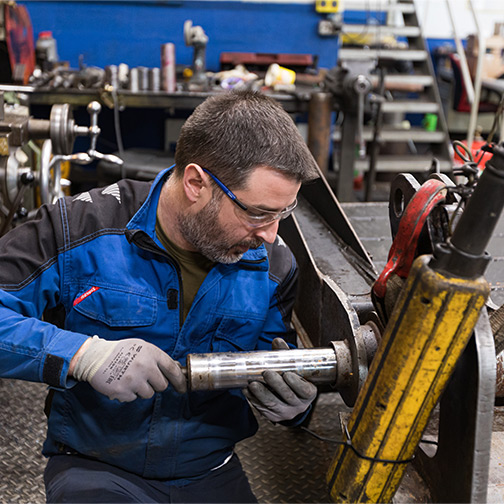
(127, 369)
(282, 397)
(279, 344)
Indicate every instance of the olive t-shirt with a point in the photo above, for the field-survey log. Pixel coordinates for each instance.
(194, 267)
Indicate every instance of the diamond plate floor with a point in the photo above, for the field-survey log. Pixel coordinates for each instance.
(22, 432)
(283, 465)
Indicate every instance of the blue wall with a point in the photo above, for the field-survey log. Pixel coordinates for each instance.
(109, 33)
(131, 32)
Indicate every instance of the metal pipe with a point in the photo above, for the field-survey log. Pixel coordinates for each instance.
(319, 128)
(212, 371)
(473, 118)
(466, 76)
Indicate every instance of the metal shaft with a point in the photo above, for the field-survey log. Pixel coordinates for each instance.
(213, 371)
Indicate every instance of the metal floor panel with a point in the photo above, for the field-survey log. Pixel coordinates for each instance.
(22, 432)
(283, 465)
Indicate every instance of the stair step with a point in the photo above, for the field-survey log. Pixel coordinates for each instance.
(406, 8)
(410, 106)
(396, 79)
(404, 82)
(352, 53)
(382, 30)
(391, 134)
(401, 163)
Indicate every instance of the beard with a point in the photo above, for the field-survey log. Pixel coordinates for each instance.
(204, 232)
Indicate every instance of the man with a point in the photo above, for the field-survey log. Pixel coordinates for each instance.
(144, 274)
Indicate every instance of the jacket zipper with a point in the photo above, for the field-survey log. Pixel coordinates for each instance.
(143, 241)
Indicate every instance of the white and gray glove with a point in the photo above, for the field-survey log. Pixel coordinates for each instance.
(283, 396)
(127, 369)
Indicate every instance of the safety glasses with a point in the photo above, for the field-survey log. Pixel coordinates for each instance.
(253, 216)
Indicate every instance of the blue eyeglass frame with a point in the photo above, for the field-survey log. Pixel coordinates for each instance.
(228, 192)
(275, 215)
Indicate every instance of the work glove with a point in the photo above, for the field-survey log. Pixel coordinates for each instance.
(283, 396)
(128, 369)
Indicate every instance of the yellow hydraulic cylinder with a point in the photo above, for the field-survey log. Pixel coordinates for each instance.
(428, 330)
(426, 334)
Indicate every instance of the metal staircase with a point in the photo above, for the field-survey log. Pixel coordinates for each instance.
(402, 82)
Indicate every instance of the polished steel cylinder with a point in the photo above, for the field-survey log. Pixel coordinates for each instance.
(134, 85)
(213, 371)
(168, 71)
(154, 79)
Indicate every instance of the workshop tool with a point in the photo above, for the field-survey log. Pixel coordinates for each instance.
(429, 328)
(17, 132)
(195, 36)
(332, 365)
(350, 84)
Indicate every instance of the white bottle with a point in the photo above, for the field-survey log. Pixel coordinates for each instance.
(46, 50)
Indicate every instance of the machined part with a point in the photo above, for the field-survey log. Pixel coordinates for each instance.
(39, 128)
(49, 183)
(336, 365)
(62, 129)
(226, 370)
(11, 168)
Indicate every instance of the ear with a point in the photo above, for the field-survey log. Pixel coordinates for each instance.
(196, 184)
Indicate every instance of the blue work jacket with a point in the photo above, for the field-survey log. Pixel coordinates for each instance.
(92, 264)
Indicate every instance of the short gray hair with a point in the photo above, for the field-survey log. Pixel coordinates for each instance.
(233, 133)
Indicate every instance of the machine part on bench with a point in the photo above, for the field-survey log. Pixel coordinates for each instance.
(332, 365)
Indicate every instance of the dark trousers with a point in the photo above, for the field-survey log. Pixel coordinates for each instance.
(71, 478)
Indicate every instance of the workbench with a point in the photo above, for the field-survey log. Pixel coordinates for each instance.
(294, 102)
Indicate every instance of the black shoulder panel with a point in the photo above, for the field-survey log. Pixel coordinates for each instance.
(27, 250)
(283, 270)
(104, 209)
(281, 260)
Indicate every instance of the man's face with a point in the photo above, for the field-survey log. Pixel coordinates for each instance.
(221, 232)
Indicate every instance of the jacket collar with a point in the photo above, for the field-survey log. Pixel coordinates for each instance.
(145, 220)
(145, 217)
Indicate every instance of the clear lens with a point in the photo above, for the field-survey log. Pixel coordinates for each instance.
(256, 217)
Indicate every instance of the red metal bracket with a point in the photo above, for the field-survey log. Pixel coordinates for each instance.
(402, 251)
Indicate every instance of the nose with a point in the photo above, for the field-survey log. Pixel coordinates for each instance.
(268, 233)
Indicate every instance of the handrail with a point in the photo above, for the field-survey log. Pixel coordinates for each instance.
(466, 76)
(473, 90)
(477, 79)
